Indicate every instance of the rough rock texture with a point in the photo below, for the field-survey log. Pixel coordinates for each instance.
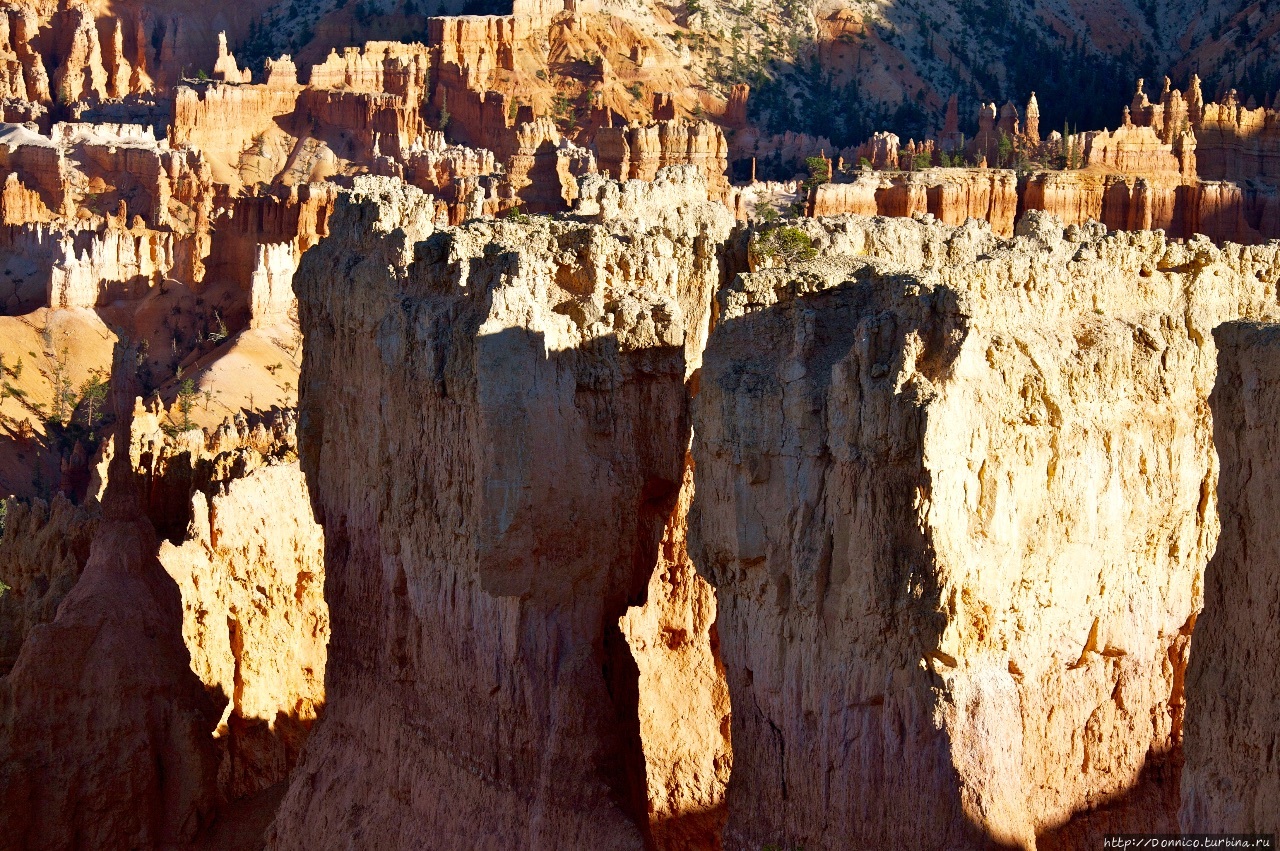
(1224, 211)
(179, 678)
(251, 575)
(104, 726)
(42, 552)
(956, 498)
(1231, 781)
(477, 675)
(951, 195)
(638, 152)
(684, 701)
(1182, 208)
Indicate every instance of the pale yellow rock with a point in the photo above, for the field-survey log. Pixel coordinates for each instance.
(956, 496)
(494, 430)
(251, 575)
(684, 701)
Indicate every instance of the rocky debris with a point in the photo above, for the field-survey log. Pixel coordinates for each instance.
(568, 338)
(956, 498)
(1229, 781)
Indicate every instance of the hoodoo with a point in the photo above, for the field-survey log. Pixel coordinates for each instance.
(588, 424)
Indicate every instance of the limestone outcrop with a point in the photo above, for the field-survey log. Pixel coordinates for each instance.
(1230, 782)
(481, 635)
(956, 498)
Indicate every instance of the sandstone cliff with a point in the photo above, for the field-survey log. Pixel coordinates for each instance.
(684, 701)
(1224, 211)
(177, 681)
(951, 195)
(477, 674)
(1230, 781)
(956, 498)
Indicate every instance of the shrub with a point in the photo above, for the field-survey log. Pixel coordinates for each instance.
(786, 244)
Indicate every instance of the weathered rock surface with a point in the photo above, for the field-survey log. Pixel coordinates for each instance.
(1222, 210)
(479, 688)
(178, 680)
(956, 498)
(104, 726)
(951, 195)
(1230, 781)
(684, 701)
(42, 552)
(251, 575)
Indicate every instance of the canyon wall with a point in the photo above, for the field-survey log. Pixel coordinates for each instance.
(1223, 211)
(956, 498)
(1231, 781)
(951, 195)
(477, 674)
(167, 646)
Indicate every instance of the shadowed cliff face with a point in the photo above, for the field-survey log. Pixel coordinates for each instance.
(102, 721)
(1230, 780)
(494, 423)
(956, 498)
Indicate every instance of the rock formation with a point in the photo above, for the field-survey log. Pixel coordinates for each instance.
(1229, 781)
(638, 152)
(684, 702)
(951, 195)
(1222, 210)
(956, 498)
(566, 338)
(42, 551)
(176, 680)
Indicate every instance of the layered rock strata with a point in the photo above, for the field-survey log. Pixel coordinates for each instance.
(1230, 781)
(1221, 210)
(479, 687)
(951, 195)
(956, 495)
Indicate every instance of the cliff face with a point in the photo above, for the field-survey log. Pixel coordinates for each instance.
(1244, 213)
(254, 619)
(104, 725)
(684, 700)
(160, 686)
(951, 195)
(477, 674)
(42, 552)
(956, 498)
(1230, 781)
(638, 152)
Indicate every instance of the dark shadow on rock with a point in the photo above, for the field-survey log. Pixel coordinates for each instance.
(1150, 806)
